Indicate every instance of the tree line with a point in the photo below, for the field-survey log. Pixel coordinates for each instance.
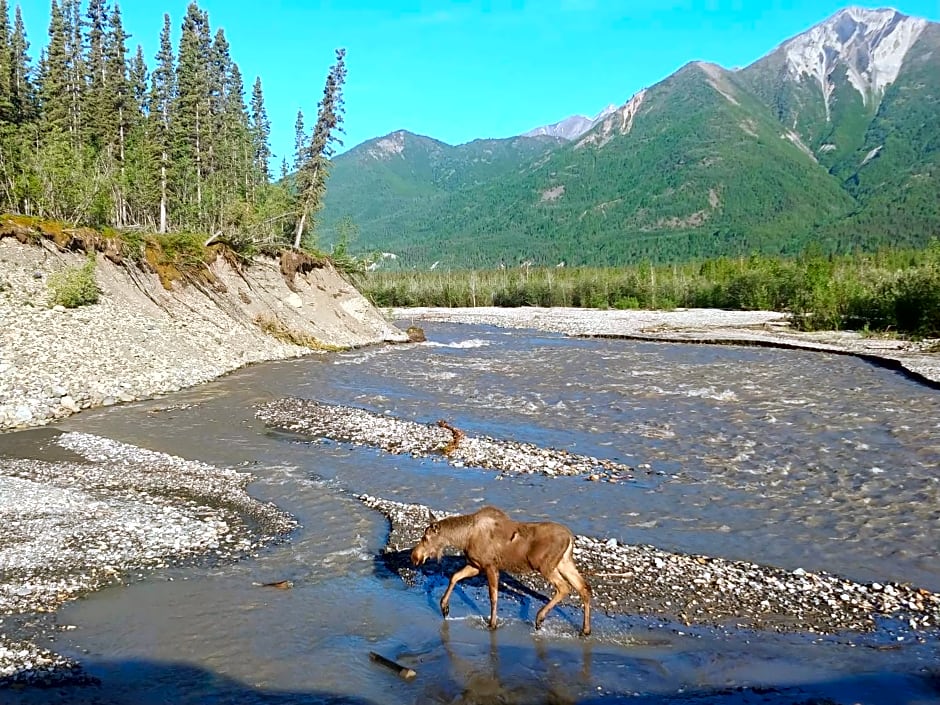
(93, 134)
(890, 289)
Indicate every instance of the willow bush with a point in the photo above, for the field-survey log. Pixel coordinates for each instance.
(74, 286)
(889, 290)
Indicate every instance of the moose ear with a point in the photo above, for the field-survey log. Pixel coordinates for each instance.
(431, 517)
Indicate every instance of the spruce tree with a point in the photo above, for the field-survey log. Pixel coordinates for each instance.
(141, 164)
(217, 164)
(236, 133)
(23, 97)
(300, 141)
(190, 122)
(75, 69)
(314, 169)
(6, 64)
(138, 79)
(53, 79)
(121, 105)
(260, 133)
(96, 108)
(162, 96)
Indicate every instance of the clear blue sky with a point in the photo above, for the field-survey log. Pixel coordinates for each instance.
(458, 70)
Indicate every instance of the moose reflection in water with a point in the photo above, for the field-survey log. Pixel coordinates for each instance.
(492, 542)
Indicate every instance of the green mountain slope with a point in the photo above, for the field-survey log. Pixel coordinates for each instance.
(816, 142)
(385, 183)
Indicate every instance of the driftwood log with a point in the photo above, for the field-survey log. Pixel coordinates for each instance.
(402, 671)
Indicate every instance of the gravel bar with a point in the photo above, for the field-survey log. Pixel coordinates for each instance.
(441, 440)
(640, 580)
(70, 527)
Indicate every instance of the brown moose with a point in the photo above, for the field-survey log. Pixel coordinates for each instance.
(492, 542)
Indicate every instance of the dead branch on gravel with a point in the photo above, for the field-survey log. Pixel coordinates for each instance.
(457, 434)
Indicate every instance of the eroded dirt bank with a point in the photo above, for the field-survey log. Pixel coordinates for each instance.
(142, 340)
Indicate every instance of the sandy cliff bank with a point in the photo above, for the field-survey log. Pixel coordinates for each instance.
(143, 340)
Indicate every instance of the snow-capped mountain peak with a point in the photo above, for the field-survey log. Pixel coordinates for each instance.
(870, 46)
(571, 127)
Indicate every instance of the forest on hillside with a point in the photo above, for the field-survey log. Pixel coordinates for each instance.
(92, 133)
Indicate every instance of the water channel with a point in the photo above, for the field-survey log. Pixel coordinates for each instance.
(788, 458)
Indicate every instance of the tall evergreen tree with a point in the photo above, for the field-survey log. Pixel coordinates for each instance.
(217, 167)
(121, 104)
(98, 113)
(191, 121)
(75, 68)
(141, 165)
(236, 146)
(53, 79)
(162, 96)
(138, 79)
(22, 92)
(6, 64)
(300, 141)
(314, 169)
(260, 133)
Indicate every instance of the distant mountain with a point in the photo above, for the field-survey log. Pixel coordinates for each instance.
(571, 127)
(833, 137)
(384, 183)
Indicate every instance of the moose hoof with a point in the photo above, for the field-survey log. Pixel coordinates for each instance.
(538, 624)
(445, 610)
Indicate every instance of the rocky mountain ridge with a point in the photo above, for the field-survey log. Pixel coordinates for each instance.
(826, 139)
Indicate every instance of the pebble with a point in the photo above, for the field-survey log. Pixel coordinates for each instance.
(121, 349)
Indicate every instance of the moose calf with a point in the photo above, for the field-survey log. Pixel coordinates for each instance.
(492, 542)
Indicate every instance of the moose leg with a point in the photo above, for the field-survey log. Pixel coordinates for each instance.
(561, 592)
(570, 573)
(492, 579)
(468, 571)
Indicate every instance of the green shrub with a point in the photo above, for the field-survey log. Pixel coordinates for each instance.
(75, 286)
(889, 290)
(916, 302)
(627, 302)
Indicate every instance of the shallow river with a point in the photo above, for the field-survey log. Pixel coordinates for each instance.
(788, 458)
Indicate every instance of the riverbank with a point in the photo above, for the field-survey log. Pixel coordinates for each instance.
(918, 359)
(143, 340)
(80, 512)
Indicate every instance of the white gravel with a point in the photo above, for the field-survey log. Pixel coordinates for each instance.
(56, 361)
(72, 527)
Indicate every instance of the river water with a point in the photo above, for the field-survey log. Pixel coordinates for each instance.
(788, 458)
